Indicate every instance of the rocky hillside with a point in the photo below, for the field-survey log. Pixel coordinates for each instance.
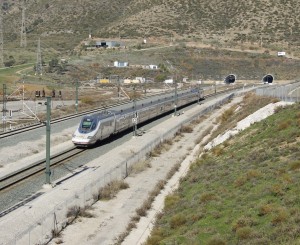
(223, 21)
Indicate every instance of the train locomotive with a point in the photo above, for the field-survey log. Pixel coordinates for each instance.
(98, 126)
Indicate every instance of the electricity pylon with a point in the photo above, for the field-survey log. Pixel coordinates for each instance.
(23, 43)
(38, 68)
(1, 40)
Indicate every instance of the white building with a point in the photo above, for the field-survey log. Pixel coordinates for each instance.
(281, 54)
(141, 79)
(169, 81)
(120, 64)
(153, 67)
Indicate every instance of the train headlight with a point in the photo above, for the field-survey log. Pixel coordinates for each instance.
(90, 137)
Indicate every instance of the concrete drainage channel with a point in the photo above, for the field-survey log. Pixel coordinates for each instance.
(77, 193)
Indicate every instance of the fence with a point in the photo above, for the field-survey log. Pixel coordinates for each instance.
(287, 92)
(42, 230)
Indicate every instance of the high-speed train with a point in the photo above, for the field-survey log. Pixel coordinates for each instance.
(96, 127)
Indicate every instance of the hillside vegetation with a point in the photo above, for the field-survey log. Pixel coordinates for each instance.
(245, 191)
(272, 22)
(186, 38)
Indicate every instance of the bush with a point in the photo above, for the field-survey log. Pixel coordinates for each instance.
(226, 115)
(242, 222)
(295, 165)
(280, 216)
(216, 240)
(206, 197)
(186, 129)
(111, 189)
(218, 151)
(177, 220)
(171, 201)
(87, 100)
(244, 233)
(265, 209)
(284, 125)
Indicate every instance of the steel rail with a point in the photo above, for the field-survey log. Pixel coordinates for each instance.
(68, 117)
(36, 167)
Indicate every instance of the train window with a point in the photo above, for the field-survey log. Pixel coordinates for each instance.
(93, 126)
(86, 124)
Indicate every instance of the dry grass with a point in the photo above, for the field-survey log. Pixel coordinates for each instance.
(207, 197)
(216, 240)
(280, 215)
(242, 222)
(110, 190)
(140, 167)
(266, 209)
(226, 115)
(295, 165)
(244, 233)
(218, 150)
(178, 220)
(284, 125)
(186, 129)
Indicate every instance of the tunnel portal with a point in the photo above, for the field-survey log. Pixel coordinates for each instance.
(230, 79)
(268, 78)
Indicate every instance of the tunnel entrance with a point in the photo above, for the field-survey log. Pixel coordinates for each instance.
(268, 78)
(230, 79)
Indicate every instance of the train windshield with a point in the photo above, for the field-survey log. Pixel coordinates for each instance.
(88, 124)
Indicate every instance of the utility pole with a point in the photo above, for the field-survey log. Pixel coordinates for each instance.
(135, 116)
(1, 40)
(76, 95)
(215, 87)
(4, 108)
(175, 100)
(119, 85)
(199, 87)
(38, 68)
(23, 42)
(48, 129)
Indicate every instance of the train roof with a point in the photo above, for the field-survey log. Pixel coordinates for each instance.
(106, 114)
(101, 115)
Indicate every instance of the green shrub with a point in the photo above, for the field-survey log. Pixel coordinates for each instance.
(87, 100)
(284, 125)
(244, 233)
(280, 215)
(206, 197)
(295, 165)
(171, 201)
(265, 209)
(216, 240)
(177, 221)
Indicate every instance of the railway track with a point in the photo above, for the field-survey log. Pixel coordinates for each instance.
(68, 117)
(9, 182)
(16, 177)
(37, 167)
